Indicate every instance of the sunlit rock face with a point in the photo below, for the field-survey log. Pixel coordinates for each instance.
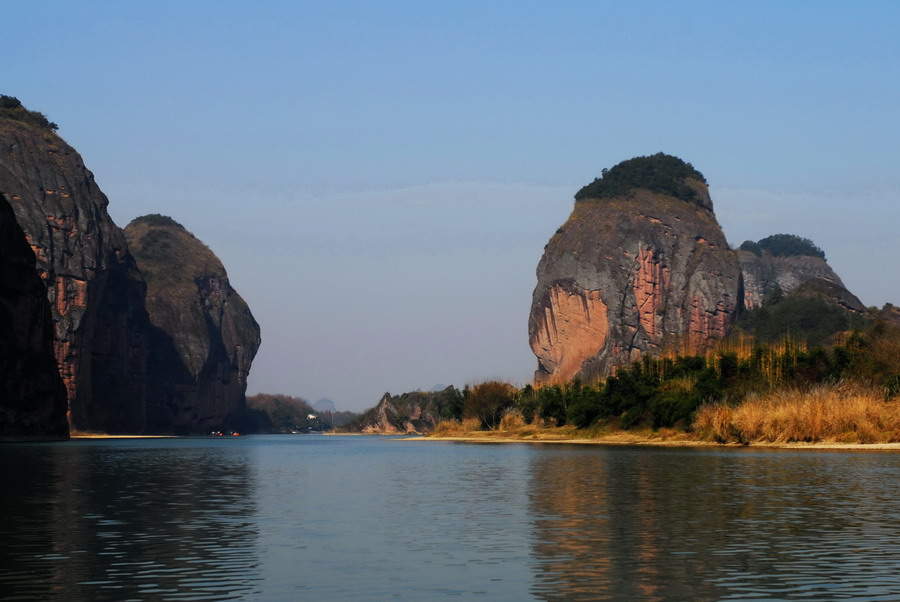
(204, 337)
(94, 288)
(33, 400)
(632, 273)
(795, 274)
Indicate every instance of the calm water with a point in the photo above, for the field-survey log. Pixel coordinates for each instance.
(316, 518)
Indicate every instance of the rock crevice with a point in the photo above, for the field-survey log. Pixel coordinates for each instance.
(659, 266)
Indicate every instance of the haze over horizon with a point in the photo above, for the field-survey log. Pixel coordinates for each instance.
(380, 180)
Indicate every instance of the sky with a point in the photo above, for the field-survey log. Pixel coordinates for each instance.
(380, 178)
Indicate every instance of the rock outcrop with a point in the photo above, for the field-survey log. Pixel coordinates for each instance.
(640, 266)
(198, 349)
(93, 286)
(417, 412)
(802, 270)
(33, 401)
(204, 337)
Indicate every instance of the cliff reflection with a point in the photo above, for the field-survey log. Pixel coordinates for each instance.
(120, 520)
(677, 524)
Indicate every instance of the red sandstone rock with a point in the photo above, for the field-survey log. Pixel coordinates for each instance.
(95, 291)
(639, 273)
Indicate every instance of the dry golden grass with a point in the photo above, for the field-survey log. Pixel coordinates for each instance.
(512, 419)
(456, 428)
(845, 413)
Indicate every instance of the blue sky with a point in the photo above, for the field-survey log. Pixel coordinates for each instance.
(379, 178)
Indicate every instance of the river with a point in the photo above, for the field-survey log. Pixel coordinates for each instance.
(337, 518)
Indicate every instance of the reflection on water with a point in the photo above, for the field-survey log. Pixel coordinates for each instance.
(125, 520)
(371, 518)
(696, 524)
(309, 517)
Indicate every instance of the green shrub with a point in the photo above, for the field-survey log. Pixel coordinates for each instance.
(487, 402)
(783, 245)
(11, 108)
(810, 319)
(657, 173)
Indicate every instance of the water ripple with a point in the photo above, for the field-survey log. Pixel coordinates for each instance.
(275, 518)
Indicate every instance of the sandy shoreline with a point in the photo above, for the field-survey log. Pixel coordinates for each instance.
(102, 436)
(620, 440)
(617, 439)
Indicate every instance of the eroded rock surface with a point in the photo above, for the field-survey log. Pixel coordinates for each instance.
(95, 291)
(33, 401)
(204, 337)
(630, 274)
(804, 274)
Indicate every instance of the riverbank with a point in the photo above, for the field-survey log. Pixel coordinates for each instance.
(103, 436)
(661, 438)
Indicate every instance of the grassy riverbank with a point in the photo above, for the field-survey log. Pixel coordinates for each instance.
(839, 415)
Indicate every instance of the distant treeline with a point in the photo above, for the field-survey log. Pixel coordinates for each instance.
(276, 413)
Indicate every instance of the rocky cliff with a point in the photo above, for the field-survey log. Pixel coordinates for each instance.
(204, 337)
(94, 289)
(417, 412)
(787, 264)
(641, 265)
(33, 400)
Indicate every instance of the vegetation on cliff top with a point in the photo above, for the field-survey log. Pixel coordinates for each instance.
(160, 245)
(660, 173)
(11, 108)
(156, 219)
(783, 245)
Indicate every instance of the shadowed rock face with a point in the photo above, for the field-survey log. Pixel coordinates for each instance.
(632, 274)
(32, 395)
(801, 274)
(95, 291)
(204, 336)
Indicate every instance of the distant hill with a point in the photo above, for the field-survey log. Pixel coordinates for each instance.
(324, 405)
(414, 412)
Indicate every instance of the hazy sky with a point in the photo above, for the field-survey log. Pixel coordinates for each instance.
(380, 178)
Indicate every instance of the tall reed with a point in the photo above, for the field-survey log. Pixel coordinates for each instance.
(845, 412)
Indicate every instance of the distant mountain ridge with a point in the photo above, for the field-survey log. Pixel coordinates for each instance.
(324, 405)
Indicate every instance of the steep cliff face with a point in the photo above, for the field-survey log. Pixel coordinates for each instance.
(640, 265)
(804, 274)
(95, 290)
(204, 336)
(33, 400)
